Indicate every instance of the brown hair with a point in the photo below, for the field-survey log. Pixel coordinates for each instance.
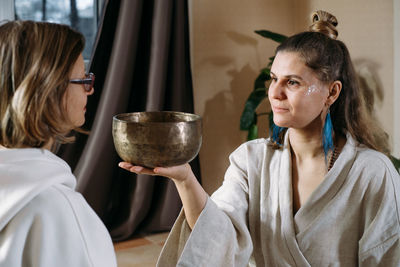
(330, 60)
(36, 59)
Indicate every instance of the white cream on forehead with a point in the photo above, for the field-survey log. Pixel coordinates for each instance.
(312, 90)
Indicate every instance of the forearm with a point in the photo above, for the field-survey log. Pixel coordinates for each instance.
(193, 198)
(190, 191)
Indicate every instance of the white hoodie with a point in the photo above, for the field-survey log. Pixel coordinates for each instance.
(43, 220)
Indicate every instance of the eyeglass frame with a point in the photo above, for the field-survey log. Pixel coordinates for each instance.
(88, 81)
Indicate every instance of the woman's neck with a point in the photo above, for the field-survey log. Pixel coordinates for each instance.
(306, 144)
(48, 145)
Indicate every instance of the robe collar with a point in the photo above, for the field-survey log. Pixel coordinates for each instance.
(318, 200)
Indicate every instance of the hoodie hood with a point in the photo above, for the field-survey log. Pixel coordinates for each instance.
(25, 173)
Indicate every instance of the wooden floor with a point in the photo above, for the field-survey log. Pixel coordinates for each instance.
(140, 251)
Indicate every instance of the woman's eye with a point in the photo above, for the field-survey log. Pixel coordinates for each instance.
(292, 82)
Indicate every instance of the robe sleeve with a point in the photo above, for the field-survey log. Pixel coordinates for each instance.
(385, 254)
(380, 244)
(220, 236)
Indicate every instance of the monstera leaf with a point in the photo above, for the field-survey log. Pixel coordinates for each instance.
(248, 119)
(277, 37)
(249, 116)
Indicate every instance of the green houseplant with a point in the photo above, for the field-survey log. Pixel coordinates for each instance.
(248, 120)
(249, 117)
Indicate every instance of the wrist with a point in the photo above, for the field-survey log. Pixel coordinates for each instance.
(185, 181)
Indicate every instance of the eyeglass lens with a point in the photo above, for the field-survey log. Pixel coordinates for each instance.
(88, 82)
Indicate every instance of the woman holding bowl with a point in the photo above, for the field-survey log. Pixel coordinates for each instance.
(319, 192)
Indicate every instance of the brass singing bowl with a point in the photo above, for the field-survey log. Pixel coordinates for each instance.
(157, 138)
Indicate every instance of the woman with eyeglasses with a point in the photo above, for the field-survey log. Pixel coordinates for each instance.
(43, 95)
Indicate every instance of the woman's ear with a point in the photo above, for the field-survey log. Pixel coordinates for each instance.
(334, 91)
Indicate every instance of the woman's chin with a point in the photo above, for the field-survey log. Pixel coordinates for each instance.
(79, 123)
(76, 124)
(281, 124)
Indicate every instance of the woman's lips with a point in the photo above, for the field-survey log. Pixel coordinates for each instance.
(279, 109)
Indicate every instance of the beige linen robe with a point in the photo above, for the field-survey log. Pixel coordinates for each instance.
(351, 219)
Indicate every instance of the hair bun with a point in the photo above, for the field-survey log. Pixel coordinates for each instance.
(325, 23)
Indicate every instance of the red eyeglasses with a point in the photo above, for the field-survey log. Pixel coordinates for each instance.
(88, 81)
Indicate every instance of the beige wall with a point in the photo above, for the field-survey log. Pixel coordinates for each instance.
(366, 27)
(396, 78)
(227, 56)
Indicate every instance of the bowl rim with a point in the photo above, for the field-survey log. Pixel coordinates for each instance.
(196, 117)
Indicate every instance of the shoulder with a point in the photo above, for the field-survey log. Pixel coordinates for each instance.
(251, 148)
(368, 167)
(250, 152)
(254, 144)
(31, 156)
(374, 162)
(58, 208)
(67, 208)
(259, 148)
(370, 156)
(377, 173)
(254, 157)
(57, 201)
(60, 213)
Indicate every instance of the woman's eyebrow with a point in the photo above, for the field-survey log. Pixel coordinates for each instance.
(289, 76)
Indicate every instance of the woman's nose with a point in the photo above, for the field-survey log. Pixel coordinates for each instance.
(275, 90)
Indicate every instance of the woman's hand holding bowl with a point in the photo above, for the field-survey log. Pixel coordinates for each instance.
(176, 173)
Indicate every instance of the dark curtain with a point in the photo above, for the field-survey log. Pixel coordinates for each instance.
(141, 62)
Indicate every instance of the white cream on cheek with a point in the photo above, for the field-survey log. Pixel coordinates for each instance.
(313, 89)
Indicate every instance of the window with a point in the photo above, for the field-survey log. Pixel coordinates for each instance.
(81, 15)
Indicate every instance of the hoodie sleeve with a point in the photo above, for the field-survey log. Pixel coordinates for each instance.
(57, 228)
